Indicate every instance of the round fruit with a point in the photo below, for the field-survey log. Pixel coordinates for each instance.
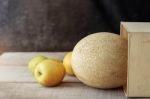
(100, 60)
(49, 72)
(35, 61)
(67, 63)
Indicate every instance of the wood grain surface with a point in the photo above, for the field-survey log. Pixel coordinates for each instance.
(16, 82)
(138, 35)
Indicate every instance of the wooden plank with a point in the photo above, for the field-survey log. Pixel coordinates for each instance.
(136, 27)
(16, 82)
(63, 91)
(21, 74)
(138, 74)
(23, 58)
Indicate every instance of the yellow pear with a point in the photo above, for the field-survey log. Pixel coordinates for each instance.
(49, 72)
(67, 63)
(35, 61)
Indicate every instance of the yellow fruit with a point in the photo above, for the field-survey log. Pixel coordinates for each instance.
(49, 72)
(67, 63)
(35, 61)
(100, 60)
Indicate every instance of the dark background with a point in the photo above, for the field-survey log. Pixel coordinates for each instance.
(57, 25)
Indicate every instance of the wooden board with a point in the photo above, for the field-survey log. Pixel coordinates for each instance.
(20, 74)
(138, 66)
(22, 59)
(16, 82)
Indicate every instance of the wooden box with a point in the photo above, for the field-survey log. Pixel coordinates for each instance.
(138, 69)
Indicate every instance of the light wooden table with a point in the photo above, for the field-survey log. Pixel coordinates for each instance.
(16, 82)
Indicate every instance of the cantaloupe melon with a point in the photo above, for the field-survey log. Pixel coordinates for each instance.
(100, 60)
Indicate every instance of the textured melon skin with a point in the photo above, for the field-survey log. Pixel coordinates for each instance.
(100, 60)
